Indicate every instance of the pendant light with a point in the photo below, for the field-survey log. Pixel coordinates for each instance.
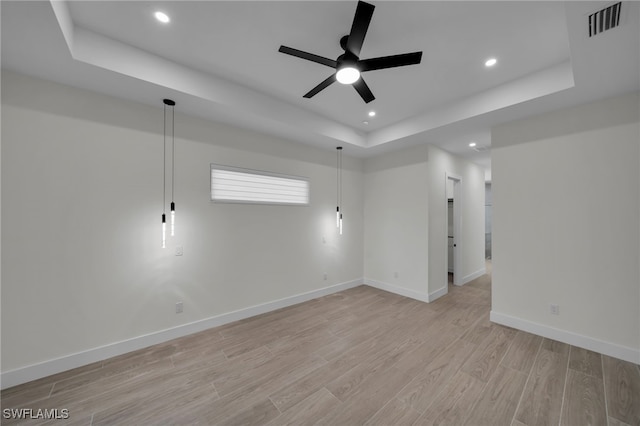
(173, 162)
(164, 172)
(339, 189)
(164, 231)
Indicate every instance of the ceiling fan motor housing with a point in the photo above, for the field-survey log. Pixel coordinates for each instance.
(343, 42)
(347, 59)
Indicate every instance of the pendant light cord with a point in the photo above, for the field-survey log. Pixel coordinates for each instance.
(340, 170)
(164, 159)
(338, 178)
(173, 149)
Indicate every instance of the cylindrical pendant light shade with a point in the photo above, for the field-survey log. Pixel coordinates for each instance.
(164, 231)
(173, 218)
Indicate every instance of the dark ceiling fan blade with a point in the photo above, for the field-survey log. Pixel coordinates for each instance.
(361, 20)
(390, 61)
(326, 83)
(308, 56)
(364, 91)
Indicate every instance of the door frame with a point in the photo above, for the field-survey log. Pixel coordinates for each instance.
(457, 228)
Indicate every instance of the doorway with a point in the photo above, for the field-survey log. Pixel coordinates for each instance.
(487, 220)
(453, 229)
(450, 238)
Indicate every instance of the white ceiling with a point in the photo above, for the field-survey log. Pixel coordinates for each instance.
(220, 60)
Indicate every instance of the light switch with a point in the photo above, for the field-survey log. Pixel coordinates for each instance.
(179, 251)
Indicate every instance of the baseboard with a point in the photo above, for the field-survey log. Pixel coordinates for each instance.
(437, 294)
(480, 272)
(585, 342)
(79, 359)
(423, 297)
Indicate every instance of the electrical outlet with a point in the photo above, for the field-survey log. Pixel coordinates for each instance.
(554, 309)
(179, 251)
(179, 308)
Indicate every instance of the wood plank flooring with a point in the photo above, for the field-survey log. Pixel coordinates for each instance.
(362, 356)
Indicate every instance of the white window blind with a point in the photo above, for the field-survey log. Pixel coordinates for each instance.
(237, 185)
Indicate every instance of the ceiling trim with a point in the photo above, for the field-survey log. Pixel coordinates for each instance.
(94, 49)
(536, 85)
(277, 116)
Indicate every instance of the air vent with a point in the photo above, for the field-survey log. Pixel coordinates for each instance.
(604, 19)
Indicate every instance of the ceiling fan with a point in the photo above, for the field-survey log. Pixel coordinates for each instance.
(348, 66)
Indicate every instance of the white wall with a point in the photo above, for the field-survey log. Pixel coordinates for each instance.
(82, 265)
(449, 188)
(566, 204)
(406, 221)
(396, 222)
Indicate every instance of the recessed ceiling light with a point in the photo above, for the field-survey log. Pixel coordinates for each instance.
(491, 62)
(372, 113)
(162, 17)
(365, 122)
(472, 144)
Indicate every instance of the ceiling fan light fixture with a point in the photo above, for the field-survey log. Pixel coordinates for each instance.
(348, 75)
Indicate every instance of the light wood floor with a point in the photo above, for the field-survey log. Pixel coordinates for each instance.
(362, 356)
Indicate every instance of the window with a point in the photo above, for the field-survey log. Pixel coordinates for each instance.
(236, 185)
